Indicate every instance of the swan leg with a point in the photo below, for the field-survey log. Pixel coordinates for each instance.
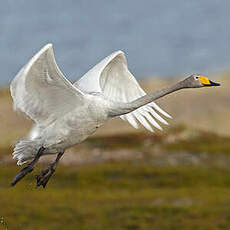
(44, 176)
(29, 168)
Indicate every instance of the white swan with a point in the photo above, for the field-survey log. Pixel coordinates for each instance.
(66, 114)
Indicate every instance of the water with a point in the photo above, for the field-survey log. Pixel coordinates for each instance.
(165, 38)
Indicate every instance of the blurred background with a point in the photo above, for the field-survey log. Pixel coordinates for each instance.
(123, 178)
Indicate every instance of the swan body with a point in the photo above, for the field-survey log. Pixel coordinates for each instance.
(65, 114)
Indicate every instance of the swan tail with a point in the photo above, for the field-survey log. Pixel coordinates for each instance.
(25, 150)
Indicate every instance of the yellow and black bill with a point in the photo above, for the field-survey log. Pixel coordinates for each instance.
(206, 82)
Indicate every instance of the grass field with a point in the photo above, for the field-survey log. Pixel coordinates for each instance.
(122, 178)
(174, 184)
(120, 196)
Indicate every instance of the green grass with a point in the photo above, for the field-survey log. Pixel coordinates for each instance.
(137, 194)
(119, 196)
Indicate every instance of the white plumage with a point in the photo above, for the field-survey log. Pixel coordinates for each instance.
(112, 78)
(39, 89)
(65, 114)
(42, 92)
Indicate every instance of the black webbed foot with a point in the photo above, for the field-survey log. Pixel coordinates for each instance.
(44, 176)
(29, 168)
(21, 174)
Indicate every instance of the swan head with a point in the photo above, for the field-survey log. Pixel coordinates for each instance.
(198, 81)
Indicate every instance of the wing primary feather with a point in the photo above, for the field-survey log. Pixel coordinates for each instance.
(123, 117)
(143, 121)
(155, 114)
(131, 119)
(150, 119)
(155, 106)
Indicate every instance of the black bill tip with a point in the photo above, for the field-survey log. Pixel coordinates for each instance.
(214, 83)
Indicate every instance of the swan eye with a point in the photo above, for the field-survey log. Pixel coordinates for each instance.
(196, 78)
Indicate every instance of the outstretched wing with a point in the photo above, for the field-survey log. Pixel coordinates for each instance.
(41, 91)
(112, 78)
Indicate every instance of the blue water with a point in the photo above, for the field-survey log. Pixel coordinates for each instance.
(160, 37)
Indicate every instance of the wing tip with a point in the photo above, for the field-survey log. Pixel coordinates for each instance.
(120, 52)
(168, 116)
(117, 53)
(26, 67)
(44, 49)
(159, 109)
(47, 46)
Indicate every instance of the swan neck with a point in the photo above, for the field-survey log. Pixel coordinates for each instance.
(124, 108)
